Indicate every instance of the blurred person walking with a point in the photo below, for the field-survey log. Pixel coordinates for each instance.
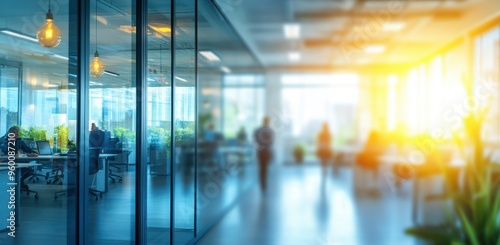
(324, 151)
(264, 137)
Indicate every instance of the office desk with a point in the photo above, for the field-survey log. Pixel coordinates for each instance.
(103, 176)
(6, 197)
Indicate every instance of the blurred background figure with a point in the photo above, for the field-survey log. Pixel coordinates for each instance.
(368, 158)
(242, 136)
(264, 137)
(210, 135)
(209, 146)
(324, 151)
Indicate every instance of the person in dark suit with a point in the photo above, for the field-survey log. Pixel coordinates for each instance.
(96, 137)
(264, 138)
(19, 145)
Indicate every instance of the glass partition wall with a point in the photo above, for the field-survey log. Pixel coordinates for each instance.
(82, 118)
(38, 94)
(159, 122)
(183, 137)
(112, 109)
(230, 106)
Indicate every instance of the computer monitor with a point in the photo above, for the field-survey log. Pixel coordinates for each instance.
(44, 147)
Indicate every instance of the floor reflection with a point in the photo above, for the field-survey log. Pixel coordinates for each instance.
(301, 208)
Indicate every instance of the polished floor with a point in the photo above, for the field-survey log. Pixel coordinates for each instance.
(300, 207)
(111, 218)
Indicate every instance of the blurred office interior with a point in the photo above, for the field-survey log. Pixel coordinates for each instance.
(409, 91)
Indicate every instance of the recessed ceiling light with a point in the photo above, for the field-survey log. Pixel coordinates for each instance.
(374, 49)
(162, 29)
(180, 78)
(127, 28)
(52, 86)
(294, 56)
(60, 57)
(225, 69)
(101, 19)
(292, 30)
(19, 35)
(393, 26)
(210, 55)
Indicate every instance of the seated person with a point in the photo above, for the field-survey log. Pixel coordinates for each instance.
(374, 148)
(19, 145)
(96, 140)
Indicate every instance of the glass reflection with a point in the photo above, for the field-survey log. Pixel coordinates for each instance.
(159, 123)
(37, 94)
(184, 121)
(112, 116)
(230, 107)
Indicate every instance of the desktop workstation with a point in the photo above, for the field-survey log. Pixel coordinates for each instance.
(57, 163)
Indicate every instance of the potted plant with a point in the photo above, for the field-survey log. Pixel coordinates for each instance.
(298, 153)
(475, 216)
(62, 137)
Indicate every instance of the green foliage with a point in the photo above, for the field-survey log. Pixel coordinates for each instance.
(124, 134)
(162, 136)
(34, 133)
(62, 136)
(475, 218)
(203, 120)
(159, 135)
(184, 135)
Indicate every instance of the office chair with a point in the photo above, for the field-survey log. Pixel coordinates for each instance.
(55, 175)
(28, 191)
(114, 177)
(367, 162)
(111, 146)
(34, 177)
(94, 167)
(72, 165)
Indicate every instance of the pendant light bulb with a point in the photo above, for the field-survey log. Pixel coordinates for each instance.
(49, 35)
(96, 66)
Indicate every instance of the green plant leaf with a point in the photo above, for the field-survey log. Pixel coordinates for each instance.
(434, 235)
(471, 233)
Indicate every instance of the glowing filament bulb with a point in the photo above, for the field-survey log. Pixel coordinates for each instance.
(49, 35)
(96, 66)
